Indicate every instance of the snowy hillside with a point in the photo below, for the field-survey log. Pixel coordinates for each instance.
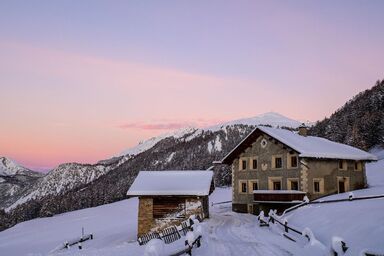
(10, 168)
(114, 227)
(270, 118)
(64, 178)
(15, 180)
(147, 144)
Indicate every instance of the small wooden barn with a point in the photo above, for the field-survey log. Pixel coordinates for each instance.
(169, 197)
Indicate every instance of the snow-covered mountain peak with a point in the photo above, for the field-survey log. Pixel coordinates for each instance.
(9, 167)
(270, 118)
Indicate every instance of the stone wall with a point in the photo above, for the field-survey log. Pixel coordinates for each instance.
(145, 217)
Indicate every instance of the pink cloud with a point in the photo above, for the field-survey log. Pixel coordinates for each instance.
(161, 126)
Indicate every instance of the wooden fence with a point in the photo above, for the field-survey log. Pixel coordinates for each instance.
(170, 234)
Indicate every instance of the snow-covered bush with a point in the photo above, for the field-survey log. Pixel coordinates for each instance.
(262, 217)
(190, 238)
(338, 245)
(314, 245)
(351, 195)
(155, 247)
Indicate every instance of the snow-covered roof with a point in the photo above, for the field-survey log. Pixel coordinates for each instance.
(306, 146)
(164, 183)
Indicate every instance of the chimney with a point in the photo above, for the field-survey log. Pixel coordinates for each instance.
(303, 130)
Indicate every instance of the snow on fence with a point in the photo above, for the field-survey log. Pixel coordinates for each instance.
(78, 241)
(273, 218)
(170, 234)
(306, 236)
(189, 248)
(224, 202)
(192, 240)
(350, 198)
(371, 253)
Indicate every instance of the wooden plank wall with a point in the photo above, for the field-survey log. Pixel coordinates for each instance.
(166, 205)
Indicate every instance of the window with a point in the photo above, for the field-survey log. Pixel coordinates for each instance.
(293, 161)
(358, 166)
(278, 162)
(276, 185)
(316, 186)
(254, 164)
(255, 186)
(243, 164)
(294, 185)
(244, 187)
(342, 165)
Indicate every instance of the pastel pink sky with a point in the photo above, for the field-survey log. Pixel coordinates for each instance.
(81, 82)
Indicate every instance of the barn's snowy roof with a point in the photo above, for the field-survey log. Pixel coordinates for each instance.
(306, 146)
(164, 183)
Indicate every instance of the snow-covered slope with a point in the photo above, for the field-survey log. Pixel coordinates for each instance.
(271, 118)
(359, 223)
(63, 178)
(15, 180)
(9, 168)
(147, 144)
(114, 227)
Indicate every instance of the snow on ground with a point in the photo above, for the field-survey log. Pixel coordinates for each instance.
(115, 225)
(359, 223)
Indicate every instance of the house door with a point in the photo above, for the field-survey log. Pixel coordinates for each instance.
(341, 186)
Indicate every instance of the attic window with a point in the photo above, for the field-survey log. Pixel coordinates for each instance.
(263, 143)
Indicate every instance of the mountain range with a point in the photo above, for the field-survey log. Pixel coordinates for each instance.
(74, 186)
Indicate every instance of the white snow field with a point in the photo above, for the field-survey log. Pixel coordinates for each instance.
(359, 223)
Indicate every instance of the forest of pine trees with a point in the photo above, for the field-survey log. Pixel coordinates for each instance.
(359, 123)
